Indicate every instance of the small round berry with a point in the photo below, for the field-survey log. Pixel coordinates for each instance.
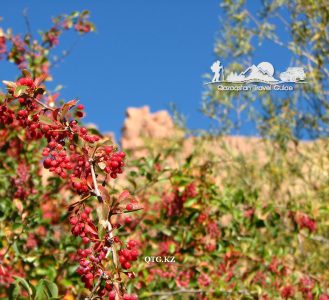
(85, 240)
(122, 259)
(129, 207)
(126, 265)
(74, 220)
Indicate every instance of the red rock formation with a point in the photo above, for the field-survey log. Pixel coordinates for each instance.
(141, 123)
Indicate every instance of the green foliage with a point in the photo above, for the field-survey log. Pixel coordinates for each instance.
(240, 224)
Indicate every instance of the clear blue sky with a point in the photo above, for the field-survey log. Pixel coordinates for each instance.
(145, 52)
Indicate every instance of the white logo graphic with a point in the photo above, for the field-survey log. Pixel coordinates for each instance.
(263, 73)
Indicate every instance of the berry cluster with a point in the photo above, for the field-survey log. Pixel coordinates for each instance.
(82, 27)
(204, 280)
(74, 128)
(24, 52)
(112, 161)
(129, 297)
(89, 268)
(7, 115)
(183, 279)
(26, 81)
(174, 201)
(112, 296)
(83, 226)
(189, 192)
(126, 256)
(304, 221)
(72, 154)
(3, 47)
(51, 37)
(57, 160)
(31, 123)
(22, 182)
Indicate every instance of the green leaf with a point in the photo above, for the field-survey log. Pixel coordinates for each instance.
(190, 202)
(9, 84)
(24, 284)
(74, 14)
(2, 97)
(26, 73)
(166, 231)
(45, 120)
(101, 231)
(14, 291)
(46, 290)
(84, 13)
(20, 90)
(102, 213)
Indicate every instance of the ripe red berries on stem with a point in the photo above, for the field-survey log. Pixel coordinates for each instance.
(75, 155)
(126, 256)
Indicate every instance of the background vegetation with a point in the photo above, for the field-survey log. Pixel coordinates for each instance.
(249, 224)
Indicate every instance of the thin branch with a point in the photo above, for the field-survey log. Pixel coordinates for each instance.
(110, 230)
(177, 292)
(64, 54)
(93, 176)
(44, 105)
(91, 296)
(27, 22)
(126, 211)
(298, 51)
(316, 238)
(169, 293)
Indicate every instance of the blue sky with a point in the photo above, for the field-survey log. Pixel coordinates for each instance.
(144, 52)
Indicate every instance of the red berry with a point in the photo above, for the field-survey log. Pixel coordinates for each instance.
(78, 185)
(126, 265)
(79, 114)
(122, 259)
(108, 285)
(85, 240)
(132, 243)
(128, 219)
(84, 216)
(73, 220)
(47, 163)
(122, 154)
(129, 207)
(112, 295)
(52, 144)
(87, 210)
(108, 149)
(114, 164)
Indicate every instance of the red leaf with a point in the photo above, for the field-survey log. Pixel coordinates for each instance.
(90, 182)
(124, 195)
(26, 73)
(55, 114)
(105, 194)
(130, 275)
(67, 106)
(40, 79)
(45, 120)
(91, 230)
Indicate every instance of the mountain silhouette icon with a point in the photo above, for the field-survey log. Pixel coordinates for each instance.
(263, 72)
